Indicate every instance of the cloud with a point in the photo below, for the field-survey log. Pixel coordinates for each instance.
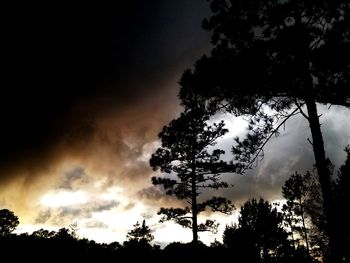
(92, 99)
(95, 224)
(43, 216)
(152, 193)
(75, 176)
(291, 152)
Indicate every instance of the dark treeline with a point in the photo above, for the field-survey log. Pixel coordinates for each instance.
(265, 232)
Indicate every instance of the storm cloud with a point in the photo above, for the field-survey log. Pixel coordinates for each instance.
(94, 99)
(81, 111)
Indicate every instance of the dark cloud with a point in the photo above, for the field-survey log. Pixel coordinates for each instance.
(43, 216)
(290, 153)
(284, 155)
(156, 196)
(59, 79)
(75, 176)
(64, 215)
(152, 193)
(72, 212)
(90, 98)
(103, 205)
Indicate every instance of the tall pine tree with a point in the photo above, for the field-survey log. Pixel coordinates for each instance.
(190, 167)
(283, 55)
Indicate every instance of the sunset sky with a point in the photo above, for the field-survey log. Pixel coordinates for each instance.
(81, 110)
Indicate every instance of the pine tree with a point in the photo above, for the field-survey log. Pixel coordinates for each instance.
(295, 191)
(140, 233)
(191, 168)
(281, 55)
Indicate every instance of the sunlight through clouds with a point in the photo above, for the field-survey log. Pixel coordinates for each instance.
(63, 198)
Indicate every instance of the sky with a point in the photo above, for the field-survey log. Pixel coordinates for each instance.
(81, 109)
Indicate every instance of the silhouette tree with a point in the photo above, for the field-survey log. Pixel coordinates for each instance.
(295, 192)
(243, 242)
(140, 233)
(74, 229)
(342, 196)
(281, 55)
(8, 222)
(191, 168)
(265, 222)
(304, 204)
(259, 232)
(313, 205)
(64, 234)
(43, 233)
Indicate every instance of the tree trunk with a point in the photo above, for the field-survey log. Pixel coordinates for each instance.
(194, 198)
(304, 227)
(324, 175)
(291, 231)
(194, 208)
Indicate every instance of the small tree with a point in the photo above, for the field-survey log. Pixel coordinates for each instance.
(140, 233)
(184, 154)
(342, 196)
(241, 241)
(74, 229)
(294, 191)
(259, 230)
(303, 212)
(8, 222)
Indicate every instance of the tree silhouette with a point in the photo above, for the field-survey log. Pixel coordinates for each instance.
(303, 211)
(243, 242)
(140, 233)
(281, 55)
(74, 228)
(265, 223)
(295, 191)
(191, 168)
(342, 196)
(313, 206)
(64, 234)
(259, 232)
(8, 222)
(43, 233)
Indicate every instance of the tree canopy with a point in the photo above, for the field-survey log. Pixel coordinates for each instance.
(284, 56)
(261, 231)
(191, 167)
(8, 222)
(295, 191)
(140, 233)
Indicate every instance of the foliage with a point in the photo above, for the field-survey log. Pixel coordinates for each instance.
(259, 233)
(279, 43)
(303, 194)
(8, 222)
(275, 57)
(140, 233)
(43, 233)
(191, 168)
(295, 192)
(342, 196)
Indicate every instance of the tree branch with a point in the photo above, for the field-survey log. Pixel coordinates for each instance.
(300, 109)
(267, 139)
